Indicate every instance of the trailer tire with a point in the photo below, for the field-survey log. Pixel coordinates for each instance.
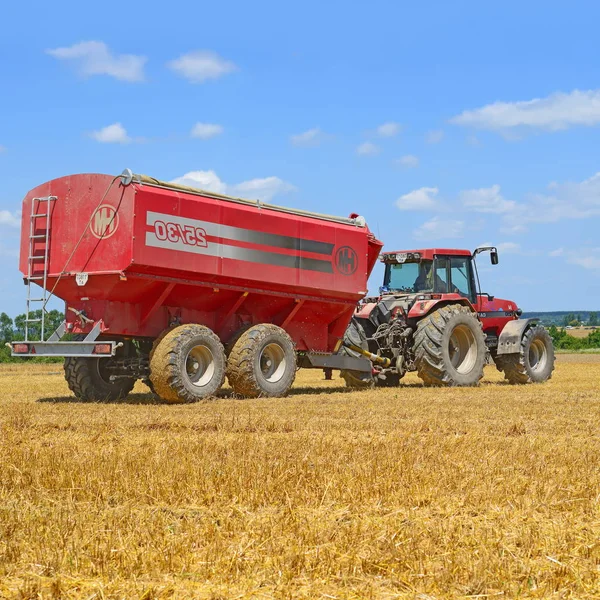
(262, 363)
(535, 361)
(450, 347)
(187, 364)
(86, 380)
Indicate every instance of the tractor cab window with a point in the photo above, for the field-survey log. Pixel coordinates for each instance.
(401, 277)
(460, 273)
(441, 275)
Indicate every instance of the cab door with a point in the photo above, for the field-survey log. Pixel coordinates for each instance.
(461, 277)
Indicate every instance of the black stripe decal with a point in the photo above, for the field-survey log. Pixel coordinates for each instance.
(279, 241)
(278, 260)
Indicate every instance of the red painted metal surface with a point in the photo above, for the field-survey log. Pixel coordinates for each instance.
(496, 313)
(155, 257)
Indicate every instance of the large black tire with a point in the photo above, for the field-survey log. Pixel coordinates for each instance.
(262, 363)
(450, 347)
(355, 334)
(187, 364)
(87, 379)
(535, 361)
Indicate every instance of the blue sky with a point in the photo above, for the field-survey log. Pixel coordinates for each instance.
(447, 124)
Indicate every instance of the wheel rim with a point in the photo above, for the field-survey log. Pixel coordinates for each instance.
(200, 366)
(462, 348)
(538, 356)
(102, 370)
(272, 362)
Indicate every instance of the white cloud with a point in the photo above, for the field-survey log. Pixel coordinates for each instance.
(564, 201)
(10, 219)
(509, 248)
(435, 136)
(111, 134)
(504, 247)
(424, 198)
(367, 148)
(389, 129)
(588, 258)
(487, 200)
(205, 131)
(201, 65)
(95, 58)
(439, 229)
(265, 188)
(552, 113)
(311, 137)
(204, 180)
(408, 161)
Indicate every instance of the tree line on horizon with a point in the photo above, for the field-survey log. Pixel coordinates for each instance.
(12, 330)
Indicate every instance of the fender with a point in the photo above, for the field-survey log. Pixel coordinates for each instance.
(509, 341)
(423, 307)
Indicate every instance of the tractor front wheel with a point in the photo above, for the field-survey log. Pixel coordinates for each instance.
(262, 362)
(187, 364)
(535, 361)
(450, 347)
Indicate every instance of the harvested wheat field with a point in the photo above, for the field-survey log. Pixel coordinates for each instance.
(394, 493)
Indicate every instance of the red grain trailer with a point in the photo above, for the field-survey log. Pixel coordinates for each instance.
(181, 287)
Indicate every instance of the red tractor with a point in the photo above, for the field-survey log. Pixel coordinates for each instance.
(431, 317)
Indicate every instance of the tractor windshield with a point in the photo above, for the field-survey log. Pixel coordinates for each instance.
(408, 277)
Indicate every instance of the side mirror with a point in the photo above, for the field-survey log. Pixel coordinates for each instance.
(494, 257)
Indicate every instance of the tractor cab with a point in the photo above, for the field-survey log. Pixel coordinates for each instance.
(445, 275)
(435, 271)
(431, 271)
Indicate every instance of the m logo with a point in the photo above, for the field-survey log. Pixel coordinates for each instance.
(104, 222)
(346, 260)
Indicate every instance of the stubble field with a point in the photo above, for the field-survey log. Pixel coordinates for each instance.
(491, 492)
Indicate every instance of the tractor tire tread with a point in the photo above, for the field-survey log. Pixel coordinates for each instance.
(515, 367)
(429, 355)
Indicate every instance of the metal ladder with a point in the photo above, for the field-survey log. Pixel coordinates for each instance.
(33, 260)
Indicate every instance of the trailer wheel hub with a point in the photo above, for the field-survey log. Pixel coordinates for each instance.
(273, 362)
(200, 366)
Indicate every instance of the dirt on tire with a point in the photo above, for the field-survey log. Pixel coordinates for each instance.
(244, 363)
(520, 368)
(435, 347)
(168, 371)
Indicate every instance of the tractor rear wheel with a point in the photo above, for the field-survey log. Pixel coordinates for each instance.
(187, 364)
(355, 334)
(535, 361)
(262, 362)
(89, 380)
(450, 347)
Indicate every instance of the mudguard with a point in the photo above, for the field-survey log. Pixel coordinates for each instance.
(509, 341)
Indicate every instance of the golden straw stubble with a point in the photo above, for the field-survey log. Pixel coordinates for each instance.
(384, 493)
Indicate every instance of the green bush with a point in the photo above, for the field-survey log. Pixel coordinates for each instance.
(563, 341)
